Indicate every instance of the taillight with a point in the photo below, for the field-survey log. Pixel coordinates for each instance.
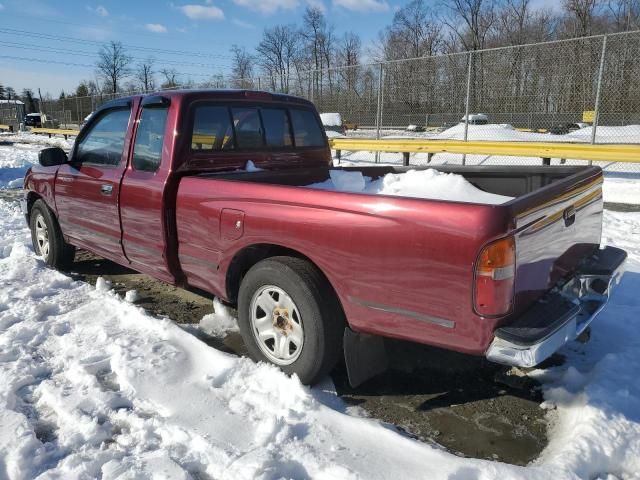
(494, 278)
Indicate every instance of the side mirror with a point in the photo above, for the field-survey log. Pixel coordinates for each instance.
(50, 157)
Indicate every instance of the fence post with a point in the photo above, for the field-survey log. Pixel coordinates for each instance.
(596, 115)
(379, 109)
(467, 102)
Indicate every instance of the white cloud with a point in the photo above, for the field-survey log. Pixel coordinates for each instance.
(242, 24)
(363, 5)
(156, 28)
(267, 6)
(202, 12)
(99, 10)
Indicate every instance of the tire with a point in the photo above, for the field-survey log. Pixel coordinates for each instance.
(308, 309)
(47, 238)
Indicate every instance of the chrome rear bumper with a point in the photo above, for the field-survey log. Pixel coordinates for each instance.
(562, 315)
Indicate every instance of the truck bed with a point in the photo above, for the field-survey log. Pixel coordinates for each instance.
(411, 257)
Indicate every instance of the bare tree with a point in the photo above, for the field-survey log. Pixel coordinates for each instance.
(471, 21)
(170, 78)
(242, 67)
(144, 74)
(580, 16)
(278, 51)
(625, 14)
(113, 64)
(414, 32)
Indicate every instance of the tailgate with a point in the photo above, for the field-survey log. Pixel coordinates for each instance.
(557, 227)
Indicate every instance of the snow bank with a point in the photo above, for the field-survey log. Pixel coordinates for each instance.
(20, 153)
(331, 119)
(430, 184)
(14, 163)
(606, 134)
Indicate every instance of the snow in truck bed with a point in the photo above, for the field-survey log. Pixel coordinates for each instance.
(428, 184)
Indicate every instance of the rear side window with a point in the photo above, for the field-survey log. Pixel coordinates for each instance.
(147, 152)
(212, 129)
(306, 129)
(246, 121)
(276, 127)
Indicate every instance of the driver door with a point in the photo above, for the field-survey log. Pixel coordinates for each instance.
(88, 187)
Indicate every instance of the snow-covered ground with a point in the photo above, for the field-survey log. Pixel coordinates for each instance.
(91, 386)
(18, 151)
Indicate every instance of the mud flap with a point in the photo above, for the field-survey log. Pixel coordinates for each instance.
(364, 355)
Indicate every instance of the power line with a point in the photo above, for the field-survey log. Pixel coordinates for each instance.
(42, 60)
(61, 38)
(30, 46)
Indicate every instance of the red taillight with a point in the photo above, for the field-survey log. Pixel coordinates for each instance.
(494, 278)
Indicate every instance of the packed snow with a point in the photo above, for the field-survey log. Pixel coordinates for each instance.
(91, 386)
(219, 323)
(429, 183)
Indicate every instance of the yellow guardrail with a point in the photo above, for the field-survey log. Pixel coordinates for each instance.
(5, 127)
(67, 132)
(544, 150)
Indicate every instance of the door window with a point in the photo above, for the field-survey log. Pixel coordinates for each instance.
(147, 153)
(104, 143)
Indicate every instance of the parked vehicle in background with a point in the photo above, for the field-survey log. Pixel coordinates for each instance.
(33, 120)
(476, 119)
(565, 128)
(207, 189)
(39, 120)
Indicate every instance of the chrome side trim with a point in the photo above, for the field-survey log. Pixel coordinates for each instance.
(400, 311)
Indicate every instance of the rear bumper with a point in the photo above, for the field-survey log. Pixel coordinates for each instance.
(561, 315)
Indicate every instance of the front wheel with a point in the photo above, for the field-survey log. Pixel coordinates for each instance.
(47, 238)
(290, 316)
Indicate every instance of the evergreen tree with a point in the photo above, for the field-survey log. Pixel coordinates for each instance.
(27, 98)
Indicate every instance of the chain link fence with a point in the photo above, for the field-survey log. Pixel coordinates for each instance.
(579, 90)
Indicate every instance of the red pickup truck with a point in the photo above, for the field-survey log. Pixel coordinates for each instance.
(159, 183)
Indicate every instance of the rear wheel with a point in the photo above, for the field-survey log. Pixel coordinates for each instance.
(290, 316)
(47, 238)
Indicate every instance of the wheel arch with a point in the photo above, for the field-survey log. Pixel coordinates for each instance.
(32, 197)
(250, 255)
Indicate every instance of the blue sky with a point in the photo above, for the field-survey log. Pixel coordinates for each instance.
(203, 27)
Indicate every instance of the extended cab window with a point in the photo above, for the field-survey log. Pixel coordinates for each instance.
(248, 127)
(276, 127)
(147, 152)
(306, 129)
(211, 129)
(104, 143)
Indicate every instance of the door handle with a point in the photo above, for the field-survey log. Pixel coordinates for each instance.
(106, 189)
